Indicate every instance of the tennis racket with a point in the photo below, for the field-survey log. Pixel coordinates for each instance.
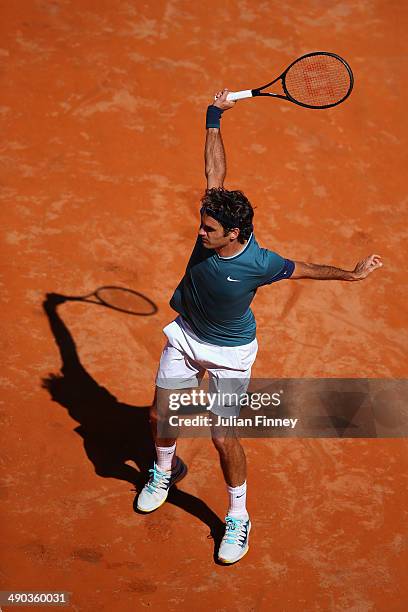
(315, 80)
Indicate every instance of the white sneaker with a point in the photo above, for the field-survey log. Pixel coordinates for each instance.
(234, 544)
(155, 492)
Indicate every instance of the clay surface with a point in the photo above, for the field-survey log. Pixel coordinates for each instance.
(102, 109)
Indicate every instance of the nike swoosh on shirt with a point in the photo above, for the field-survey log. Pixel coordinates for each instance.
(233, 280)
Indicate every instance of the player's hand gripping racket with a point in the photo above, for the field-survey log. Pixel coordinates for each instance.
(315, 80)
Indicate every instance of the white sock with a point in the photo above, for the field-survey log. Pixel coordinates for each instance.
(165, 456)
(237, 501)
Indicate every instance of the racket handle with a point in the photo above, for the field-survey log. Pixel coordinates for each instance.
(239, 95)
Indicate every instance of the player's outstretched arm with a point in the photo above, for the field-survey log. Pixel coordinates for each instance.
(214, 152)
(318, 272)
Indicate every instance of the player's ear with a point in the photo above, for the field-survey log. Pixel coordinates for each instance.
(234, 233)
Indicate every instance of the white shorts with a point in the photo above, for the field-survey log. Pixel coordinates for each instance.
(186, 358)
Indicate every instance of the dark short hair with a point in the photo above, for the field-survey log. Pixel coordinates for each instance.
(231, 209)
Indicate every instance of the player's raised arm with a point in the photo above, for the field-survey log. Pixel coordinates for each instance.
(318, 272)
(214, 152)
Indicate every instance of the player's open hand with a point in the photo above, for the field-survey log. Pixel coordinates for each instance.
(221, 100)
(366, 266)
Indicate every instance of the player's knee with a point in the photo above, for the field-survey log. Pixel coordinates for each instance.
(153, 411)
(219, 443)
(223, 438)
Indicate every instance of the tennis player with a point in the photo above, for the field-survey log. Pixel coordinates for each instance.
(215, 330)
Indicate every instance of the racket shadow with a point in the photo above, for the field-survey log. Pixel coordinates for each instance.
(113, 432)
(121, 299)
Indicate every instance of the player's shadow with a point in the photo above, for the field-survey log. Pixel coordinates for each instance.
(113, 432)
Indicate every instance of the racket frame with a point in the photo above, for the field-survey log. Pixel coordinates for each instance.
(258, 90)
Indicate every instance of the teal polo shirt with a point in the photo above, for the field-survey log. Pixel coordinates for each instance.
(215, 293)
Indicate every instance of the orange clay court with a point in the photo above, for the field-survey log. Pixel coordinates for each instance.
(103, 126)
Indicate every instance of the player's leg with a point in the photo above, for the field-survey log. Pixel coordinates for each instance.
(159, 414)
(235, 543)
(165, 438)
(231, 454)
(232, 385)
(176, 372)
(233, 464)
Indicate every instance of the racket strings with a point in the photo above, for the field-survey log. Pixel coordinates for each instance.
(318, 80)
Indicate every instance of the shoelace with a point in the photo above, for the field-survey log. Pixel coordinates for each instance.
(234, 533)
(158, 480)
